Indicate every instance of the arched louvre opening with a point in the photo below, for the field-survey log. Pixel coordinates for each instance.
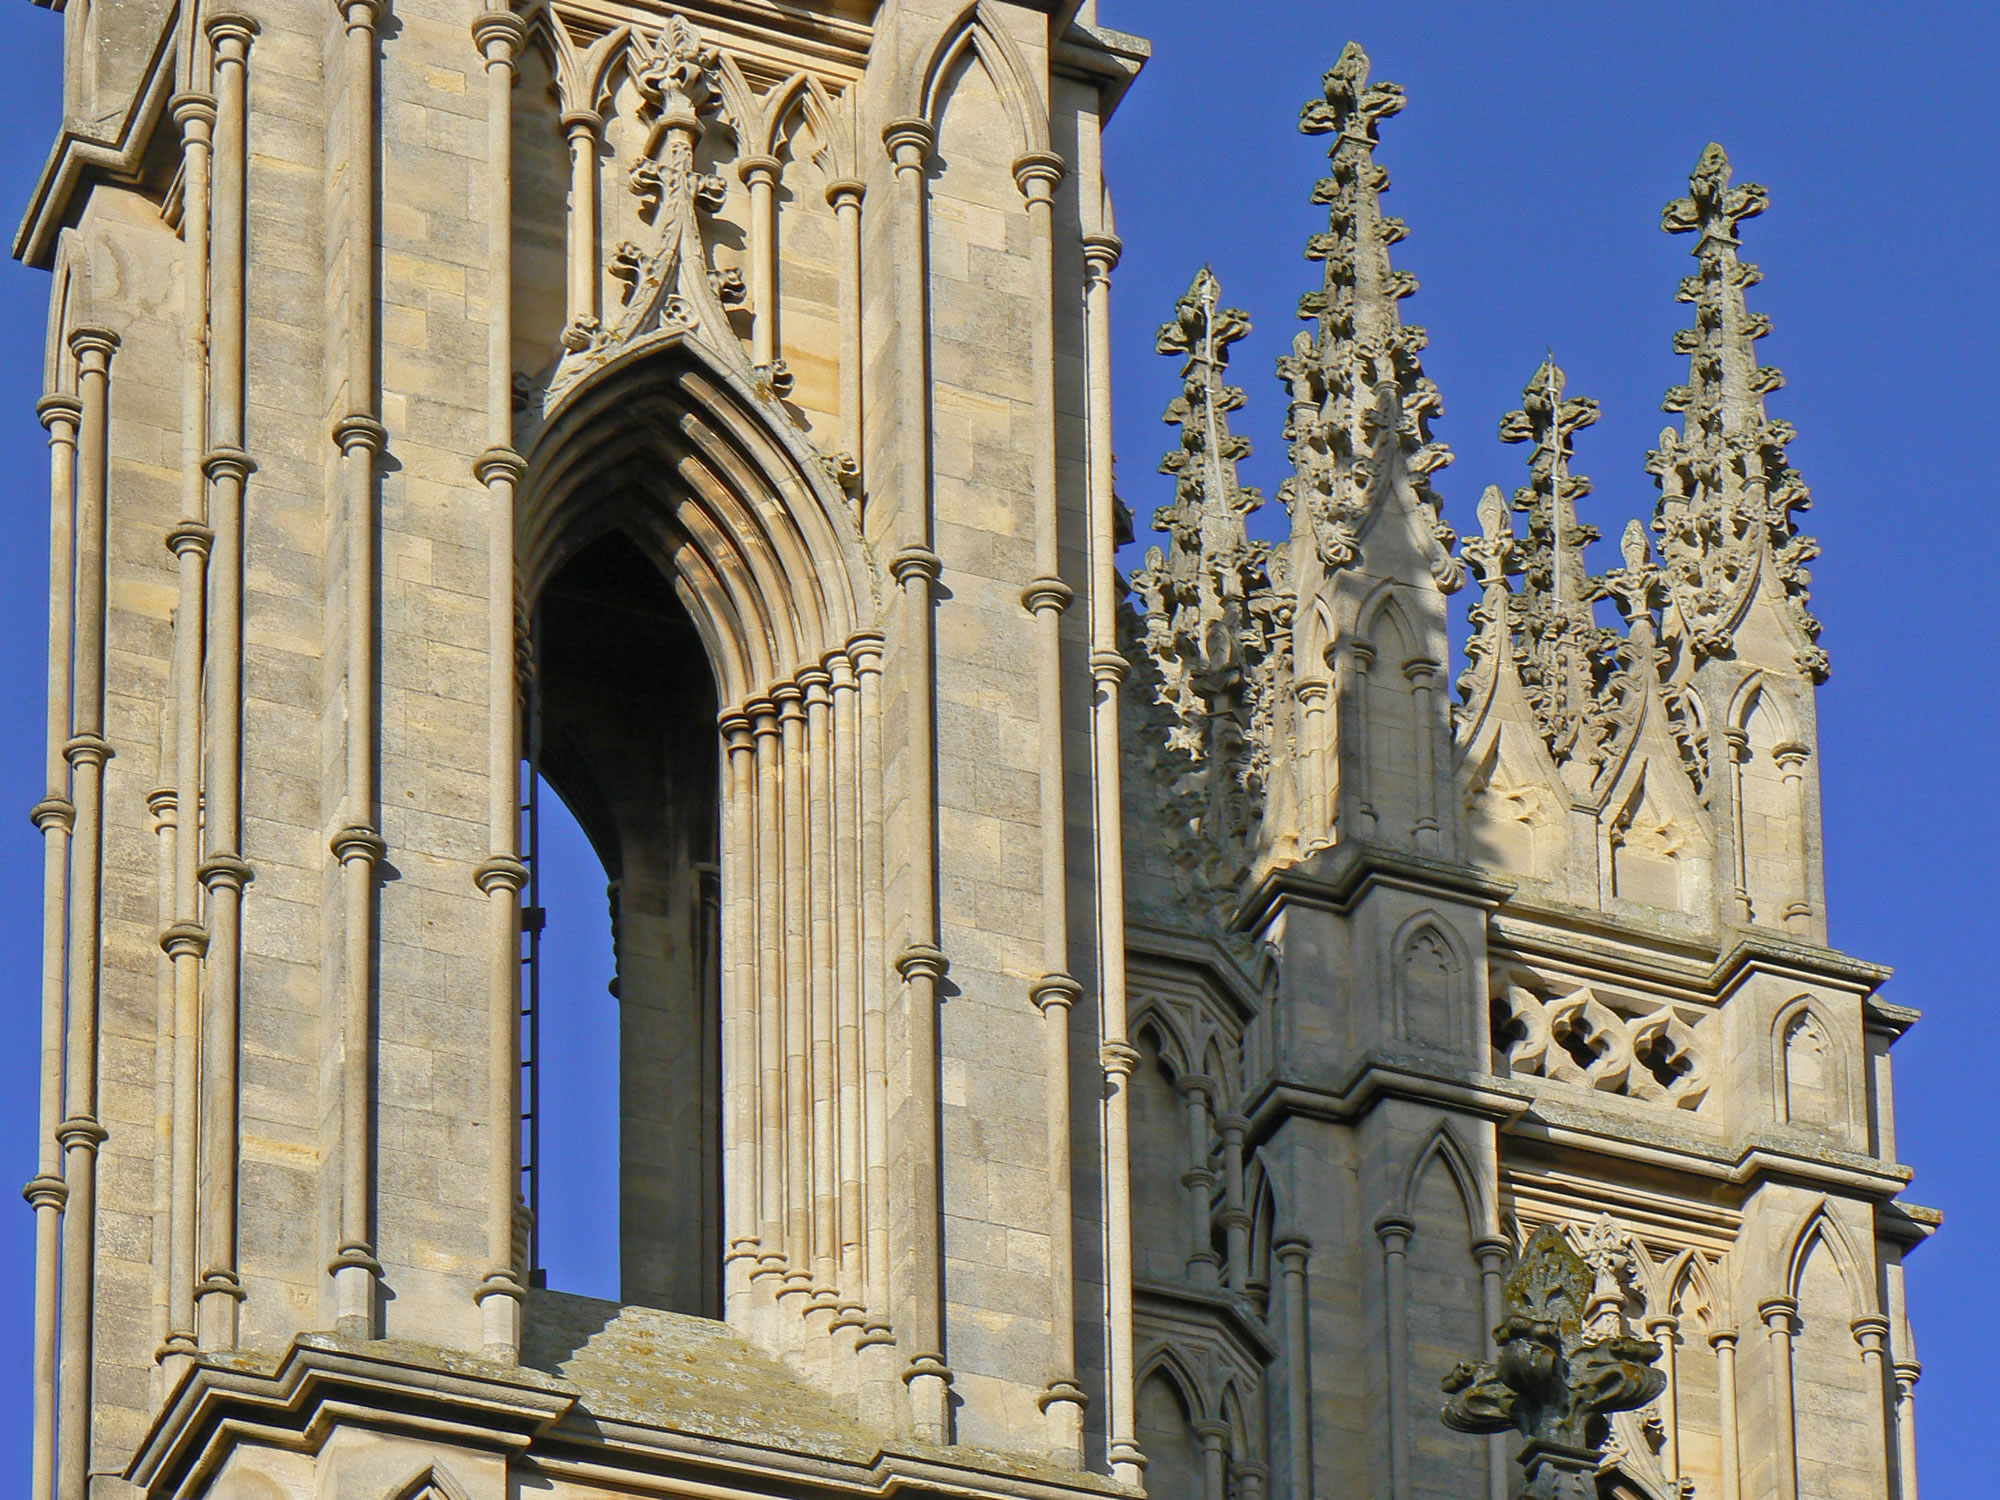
(623, 729)
(708, 705)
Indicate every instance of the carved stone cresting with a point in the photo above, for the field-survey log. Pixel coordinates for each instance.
(1218, 615)
(1727, 490)
(1361, 405)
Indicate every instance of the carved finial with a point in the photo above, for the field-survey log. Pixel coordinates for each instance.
(1217, 620)
(1351, 104)
(1632, 546)
(1494, 553)
(1361, 405)
(1556, 538)
(1727, 490)
(671, 67)
(1608, 1253)
(1554, 1381)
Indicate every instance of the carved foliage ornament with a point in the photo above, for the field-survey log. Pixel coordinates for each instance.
(1360, 403)
(668, 281)
(1558, 1375)
(1578, 676)
(1727, 490)
(1217, 609)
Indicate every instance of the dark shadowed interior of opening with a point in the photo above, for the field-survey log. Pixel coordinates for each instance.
(625, 733)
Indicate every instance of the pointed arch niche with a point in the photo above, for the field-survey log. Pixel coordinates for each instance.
(695, 701)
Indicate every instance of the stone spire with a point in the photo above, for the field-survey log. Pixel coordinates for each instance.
(1727, 490)
(1217, 614)
(1575, 672)
(1361, 405)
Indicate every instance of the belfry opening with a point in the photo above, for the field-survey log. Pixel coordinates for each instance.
(621, 726)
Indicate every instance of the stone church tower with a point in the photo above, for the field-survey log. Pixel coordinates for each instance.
(1074, 1035)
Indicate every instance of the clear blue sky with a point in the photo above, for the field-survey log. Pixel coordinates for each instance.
(1538, 146)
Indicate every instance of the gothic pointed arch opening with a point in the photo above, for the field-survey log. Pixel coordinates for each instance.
(1392, 746)
(1694, 1300)
(1428, 991)
(693, 594)
(1160, 1159)
(1168, 1407)
(1446, 1201)
(1772, 811)
(1834, 1394)
(1810, 1067)
(623, 730)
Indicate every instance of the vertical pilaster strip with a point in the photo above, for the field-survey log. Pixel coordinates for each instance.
(1198, 1180)
(922, 963)
(1292, 1254)
(825, 1096)
(760, 175)
(1736, 746)
(770, 994)
(183, 938)
(1422, 674)
(797, 1117)
(1214, 1439)
(847, 949)
(80, 1134)
(1665, 1329)
(186, 940)
(1313, 693)
(1798, 913)
(1107, 671)
(1908, 1373)
(1723, 1341)
(162, 804)
(223, 872)
(55, 816)
(1235, 1216)
(1046, 596)
(580, 127)
(739, 1013)
(1353, 768)
(358, 846)
(1492, 1255)
(877, 1343)
(498, 36)
(1871, 1334)
(845, 196)
(1395, 1236)
(1777, 1314)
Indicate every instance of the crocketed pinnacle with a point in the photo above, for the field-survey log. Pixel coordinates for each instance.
(1553, 559)
(1217, 626)
(1211, 553)
(1727, 490)
(1361, 405)
(1575, 672)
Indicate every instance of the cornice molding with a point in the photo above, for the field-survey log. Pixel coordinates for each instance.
(80, 157)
